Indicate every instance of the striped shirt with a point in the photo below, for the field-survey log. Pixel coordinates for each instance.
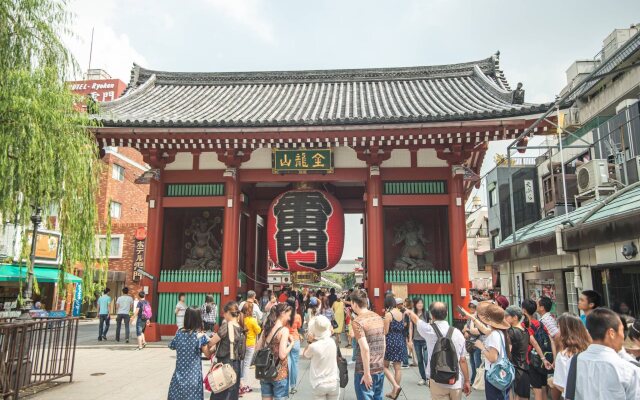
(550, 323)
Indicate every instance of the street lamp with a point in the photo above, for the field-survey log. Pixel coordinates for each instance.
(27, 301)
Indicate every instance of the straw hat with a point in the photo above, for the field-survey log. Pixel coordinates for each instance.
(492, 315)
(320, 327)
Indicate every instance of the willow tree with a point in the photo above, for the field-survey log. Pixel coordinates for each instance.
(48, 154)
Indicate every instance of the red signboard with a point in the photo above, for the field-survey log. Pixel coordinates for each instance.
(100, 89)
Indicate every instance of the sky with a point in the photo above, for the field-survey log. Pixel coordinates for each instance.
(537, 40)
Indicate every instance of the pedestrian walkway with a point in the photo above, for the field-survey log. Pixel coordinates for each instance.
(115, 372)
(111, 370)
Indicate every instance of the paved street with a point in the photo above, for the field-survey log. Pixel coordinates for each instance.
(107, 370)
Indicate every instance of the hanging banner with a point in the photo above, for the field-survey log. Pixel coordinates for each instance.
(77, 300)
(302, 161)
(529, 193)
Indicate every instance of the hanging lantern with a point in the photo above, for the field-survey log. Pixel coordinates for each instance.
(522, 144)
(305, 230)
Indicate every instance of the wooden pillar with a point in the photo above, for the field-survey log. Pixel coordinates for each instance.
(250, 252)
(458, 244)
(375, 239)
(230, 236)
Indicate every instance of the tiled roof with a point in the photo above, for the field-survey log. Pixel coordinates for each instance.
(467, 91)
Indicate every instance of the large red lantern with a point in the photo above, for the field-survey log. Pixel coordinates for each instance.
(305, 230)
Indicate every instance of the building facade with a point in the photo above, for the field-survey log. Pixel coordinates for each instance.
(588, 237)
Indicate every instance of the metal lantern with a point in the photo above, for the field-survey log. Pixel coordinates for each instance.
(305, 230)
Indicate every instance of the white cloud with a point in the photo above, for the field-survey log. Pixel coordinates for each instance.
(112, 51)
(246, 13)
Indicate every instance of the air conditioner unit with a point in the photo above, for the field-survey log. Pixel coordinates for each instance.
(633, 170)
(592, 174)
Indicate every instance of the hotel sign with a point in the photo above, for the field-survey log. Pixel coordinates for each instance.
(302, 161)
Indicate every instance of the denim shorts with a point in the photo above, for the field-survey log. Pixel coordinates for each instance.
(140, 326)
(276, 389)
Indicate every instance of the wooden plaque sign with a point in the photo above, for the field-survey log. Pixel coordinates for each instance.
(302, 161)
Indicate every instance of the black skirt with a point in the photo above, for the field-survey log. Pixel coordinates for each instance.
(521, 385)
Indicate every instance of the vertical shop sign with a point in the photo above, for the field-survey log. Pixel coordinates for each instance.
(77, 301)
(138, 252)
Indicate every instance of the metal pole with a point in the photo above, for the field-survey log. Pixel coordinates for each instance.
(513, 215)
(564, 180)
(27, 301)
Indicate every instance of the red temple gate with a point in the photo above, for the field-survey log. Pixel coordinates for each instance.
(403, 143)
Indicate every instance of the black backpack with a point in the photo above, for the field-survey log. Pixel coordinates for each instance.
(343, 369)
(266, 362)
(445, 366)
(543, 339)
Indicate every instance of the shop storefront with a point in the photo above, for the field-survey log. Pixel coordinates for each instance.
(13, 277)
(620, 287)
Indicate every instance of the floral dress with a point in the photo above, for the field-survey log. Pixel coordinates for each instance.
(396, 346)
(186, 382)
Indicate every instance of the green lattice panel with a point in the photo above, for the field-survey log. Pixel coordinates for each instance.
(190, 276)
(167, 305)
(417, 276)
(415, 187)
(195, 189)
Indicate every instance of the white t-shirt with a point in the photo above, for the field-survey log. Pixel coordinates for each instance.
(561, 371)
(324, 367)
(429, 334)
(181, 309)
(494, 340)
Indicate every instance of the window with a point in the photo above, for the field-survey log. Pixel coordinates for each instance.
(117, 172)
(115, 209)
(493, 197)
(115, 249)
(495, 241)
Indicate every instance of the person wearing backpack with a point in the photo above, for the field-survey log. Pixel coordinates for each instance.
(141, 318)
(540, 343)
(447, 367)
(230, 341)
(271, 359)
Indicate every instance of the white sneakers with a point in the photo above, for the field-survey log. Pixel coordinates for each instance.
(422, 382)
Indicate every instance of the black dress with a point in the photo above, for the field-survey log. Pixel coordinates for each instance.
(519, 345)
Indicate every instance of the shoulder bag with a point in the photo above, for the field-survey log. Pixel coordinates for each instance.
(220, 378)
(501, 374)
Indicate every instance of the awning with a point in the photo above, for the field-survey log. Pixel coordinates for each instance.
(12, 273)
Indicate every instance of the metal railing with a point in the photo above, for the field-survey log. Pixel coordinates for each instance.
(36, 352)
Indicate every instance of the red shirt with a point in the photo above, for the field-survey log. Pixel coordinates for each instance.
(283, 297)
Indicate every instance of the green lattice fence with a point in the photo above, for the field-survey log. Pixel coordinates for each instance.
(190, 276)
(167, 305)
(417, 276)
(430, 298)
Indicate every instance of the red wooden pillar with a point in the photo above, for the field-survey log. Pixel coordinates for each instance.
(375, 239)
(458, 244)
(155, 224)
(230, 236)
(250, 252)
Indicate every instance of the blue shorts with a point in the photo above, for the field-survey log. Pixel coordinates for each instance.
(140, 326)
(279, 390)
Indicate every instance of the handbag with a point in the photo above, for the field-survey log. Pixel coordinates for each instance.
(220, 378)
(343, 369)
(478, 383)
(334, 324)
(501, 374)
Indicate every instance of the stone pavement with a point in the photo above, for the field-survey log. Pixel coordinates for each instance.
(109, 370)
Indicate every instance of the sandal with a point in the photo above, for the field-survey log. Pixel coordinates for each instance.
(397, 394)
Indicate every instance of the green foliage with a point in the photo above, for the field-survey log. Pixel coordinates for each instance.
(48, 155)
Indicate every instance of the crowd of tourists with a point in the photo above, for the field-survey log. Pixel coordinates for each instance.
(509, 352)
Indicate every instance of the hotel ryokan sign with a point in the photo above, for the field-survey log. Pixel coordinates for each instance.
(302, 161)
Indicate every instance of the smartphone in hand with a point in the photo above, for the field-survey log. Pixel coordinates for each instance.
(462, 311)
